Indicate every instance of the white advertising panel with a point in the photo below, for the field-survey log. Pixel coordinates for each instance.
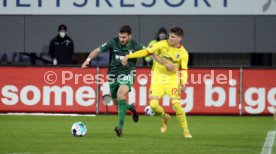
(137, 7)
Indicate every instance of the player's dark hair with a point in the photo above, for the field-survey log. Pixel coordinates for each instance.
(125, 29)
(177, 31)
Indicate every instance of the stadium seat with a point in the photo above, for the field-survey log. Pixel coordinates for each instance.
(23, 58)
(46, 56)
(10, 57)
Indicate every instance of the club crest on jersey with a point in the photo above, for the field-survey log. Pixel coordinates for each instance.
(177, 55)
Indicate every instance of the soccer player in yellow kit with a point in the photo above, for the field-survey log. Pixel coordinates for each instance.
(163, 82)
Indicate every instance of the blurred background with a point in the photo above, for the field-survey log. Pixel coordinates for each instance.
(214, 36)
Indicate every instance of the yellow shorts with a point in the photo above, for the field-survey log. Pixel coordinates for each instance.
(164, 84)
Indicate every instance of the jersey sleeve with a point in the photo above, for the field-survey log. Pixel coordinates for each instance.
(138, 54)
(106, 46)
(184, 68)
(155, 47)
(184, 60)
(139, 51)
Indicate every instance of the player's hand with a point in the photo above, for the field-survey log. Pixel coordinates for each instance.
(124, 60)
(85, 64)
(169, 67)
(183, 88)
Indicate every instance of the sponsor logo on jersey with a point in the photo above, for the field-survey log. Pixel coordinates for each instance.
(119, 57)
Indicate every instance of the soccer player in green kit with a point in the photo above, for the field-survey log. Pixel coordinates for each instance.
(120, 77)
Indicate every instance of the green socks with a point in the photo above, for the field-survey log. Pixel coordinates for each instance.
(122, 107)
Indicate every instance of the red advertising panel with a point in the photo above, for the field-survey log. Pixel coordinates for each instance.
(74, 90)
(104, 90)
(212, 91)
(259, 91)
(47, 89)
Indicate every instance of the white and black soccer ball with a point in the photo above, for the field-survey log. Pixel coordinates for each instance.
(148, 111)
(79, 129)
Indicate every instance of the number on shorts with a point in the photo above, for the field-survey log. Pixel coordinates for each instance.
(127, 78)
(174, 91)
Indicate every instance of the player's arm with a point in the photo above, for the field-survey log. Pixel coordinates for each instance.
(169, 67)
(141, 53)
(94, 53)
(184, 71)
(138, 54)
(91, 56)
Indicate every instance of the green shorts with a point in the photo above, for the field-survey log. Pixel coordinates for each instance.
(115, 83)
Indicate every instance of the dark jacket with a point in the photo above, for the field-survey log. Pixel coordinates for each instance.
(62, 49)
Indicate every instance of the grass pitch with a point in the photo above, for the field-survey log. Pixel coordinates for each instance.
(211, 135)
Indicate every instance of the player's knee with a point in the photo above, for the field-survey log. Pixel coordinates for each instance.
(120, 96)
(122, 92)
(154, 104)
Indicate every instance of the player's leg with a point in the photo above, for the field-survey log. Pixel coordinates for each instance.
(121, 96)
(173, 91)
(113, 86)
(158, 109)
(157, 92)
(115, 102)
(128, 81)
(181, 117)
(154, 104)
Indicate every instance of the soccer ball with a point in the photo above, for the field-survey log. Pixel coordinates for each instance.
(148, 111)
(79, 129)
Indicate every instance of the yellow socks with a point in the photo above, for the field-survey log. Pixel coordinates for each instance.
(180, 114)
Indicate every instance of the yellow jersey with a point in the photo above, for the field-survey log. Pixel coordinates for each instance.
(176, 56)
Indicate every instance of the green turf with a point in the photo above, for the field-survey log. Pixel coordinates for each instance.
(211, 135)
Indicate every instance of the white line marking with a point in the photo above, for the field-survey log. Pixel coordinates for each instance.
(269, 141)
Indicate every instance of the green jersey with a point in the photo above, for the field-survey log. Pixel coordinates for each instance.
(117, 52)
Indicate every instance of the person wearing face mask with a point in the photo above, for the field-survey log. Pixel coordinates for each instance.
(61, 48)
(162, 34)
